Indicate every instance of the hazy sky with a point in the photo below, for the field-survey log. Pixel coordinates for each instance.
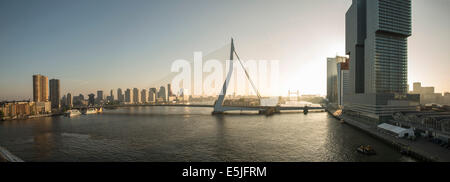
(106, 44)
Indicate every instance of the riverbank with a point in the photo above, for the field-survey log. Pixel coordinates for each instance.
(30, 117)
(419, 149)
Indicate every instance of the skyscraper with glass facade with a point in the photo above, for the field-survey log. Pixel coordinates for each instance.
(376, 42)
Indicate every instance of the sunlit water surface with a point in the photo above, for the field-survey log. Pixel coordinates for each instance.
(188, 134)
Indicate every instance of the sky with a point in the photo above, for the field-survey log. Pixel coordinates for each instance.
(95, 45)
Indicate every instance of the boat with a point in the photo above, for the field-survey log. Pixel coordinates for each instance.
(368, 150)
(72, 113)
(91, 111)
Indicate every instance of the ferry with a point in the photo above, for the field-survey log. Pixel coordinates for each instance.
(72, 113)
(91, 111)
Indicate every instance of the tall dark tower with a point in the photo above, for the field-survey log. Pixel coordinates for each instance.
(376, 42)
(55, 94)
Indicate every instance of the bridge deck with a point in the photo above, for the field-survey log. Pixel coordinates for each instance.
(250, 108)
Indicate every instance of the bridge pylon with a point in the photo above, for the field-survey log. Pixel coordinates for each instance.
(218, 105)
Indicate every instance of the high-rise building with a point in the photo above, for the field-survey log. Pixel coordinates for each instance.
(111, 96)
(162, 93)
(120, 96)
(144, 96)
(63, 100)
(79, 100)
(136, 96)
(128, 96)
(100, 96)
(376, 42)
(69, 101)
(91, 100)
(55, 94)
(40, 88)
(152, 95)
(169, 90)
(337, 71)
(343, 79)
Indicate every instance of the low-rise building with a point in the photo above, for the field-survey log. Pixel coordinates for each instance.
(428, 96)
(23, 109)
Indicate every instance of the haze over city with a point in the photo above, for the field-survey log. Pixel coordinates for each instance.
(102, 45)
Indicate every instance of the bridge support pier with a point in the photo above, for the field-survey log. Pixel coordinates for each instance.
(217, 112)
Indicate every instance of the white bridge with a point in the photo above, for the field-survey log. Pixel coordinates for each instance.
(219, 108)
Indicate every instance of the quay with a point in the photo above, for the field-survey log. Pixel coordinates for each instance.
(420, 149)
(30, 116)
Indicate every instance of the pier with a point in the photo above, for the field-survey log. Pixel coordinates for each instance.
(419, 149)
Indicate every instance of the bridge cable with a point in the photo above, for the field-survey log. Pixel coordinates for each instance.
(248, 76)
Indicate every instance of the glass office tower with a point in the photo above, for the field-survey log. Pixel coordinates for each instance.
(376, 42)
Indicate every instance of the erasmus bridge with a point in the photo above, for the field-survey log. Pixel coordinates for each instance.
(220, 108)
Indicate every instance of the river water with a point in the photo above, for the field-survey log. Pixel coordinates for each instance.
(189, 134)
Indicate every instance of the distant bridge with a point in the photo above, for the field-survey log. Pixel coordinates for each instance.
(219, 107)
(261, 109)
(204, 105)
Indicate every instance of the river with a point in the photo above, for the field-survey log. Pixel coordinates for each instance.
(189, 134)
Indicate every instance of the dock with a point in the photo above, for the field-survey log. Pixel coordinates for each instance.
(420, 149)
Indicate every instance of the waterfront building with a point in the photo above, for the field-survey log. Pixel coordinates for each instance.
(79, 100)
(418, 89)
(331, 80)
(91, 99)
(111, 96)
(183, 95)
(376, 42)
(447, 98)
(152, 94)
(136, 96)
(69, 101)
(43, 107)
(100, 97)
(40, 88)
(342, 80)
(21, 109)
(169, 90)
(63, 101)
(171, 99)
(162, 94)
(55, 94)
(428, 96)
(144, 96)
(334, 79)
(120, 96)
(128, 96)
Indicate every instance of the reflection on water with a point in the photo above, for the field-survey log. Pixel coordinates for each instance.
(188, 134)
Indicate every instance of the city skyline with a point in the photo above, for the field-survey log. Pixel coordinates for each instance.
(231, 81)
(133, 58)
